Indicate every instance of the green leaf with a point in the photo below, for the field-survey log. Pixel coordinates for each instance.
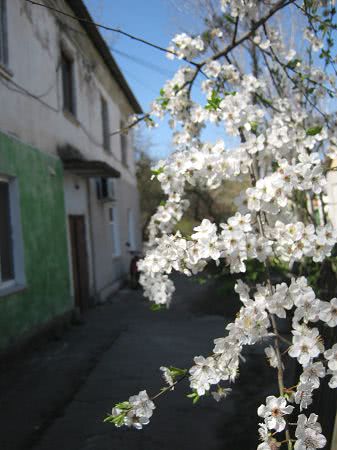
(119, 420)
(229, 18)
(155, 307)
(157, 171)
(314, 130)
(194, 396)
(163, 102)
(254, 126)
(116, 420)
(123, 405)
(266, 101)
(293, 64)
(213, 102)
(176, 372)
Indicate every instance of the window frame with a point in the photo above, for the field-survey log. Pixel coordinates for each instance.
(124, 143)
(4, 34)
(18, 281)
(105, 124)
(114, 230)
(68, 82)
(9, 238)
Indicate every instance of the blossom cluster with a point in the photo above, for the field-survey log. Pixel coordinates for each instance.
(280, 147)
(136, 412)
(253, 324)
(184, 46)
(237, 242)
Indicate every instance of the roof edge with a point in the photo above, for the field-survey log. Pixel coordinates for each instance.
(81, 11)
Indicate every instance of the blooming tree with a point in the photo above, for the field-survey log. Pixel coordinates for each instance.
(285, 136)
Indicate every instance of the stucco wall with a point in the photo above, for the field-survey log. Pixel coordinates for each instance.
(41, 201)
(109, 268)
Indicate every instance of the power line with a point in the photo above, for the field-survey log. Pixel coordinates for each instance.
(142, 62)
(105, 27)
(139, 81)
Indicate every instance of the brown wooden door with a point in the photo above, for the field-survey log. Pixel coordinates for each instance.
(79, 261)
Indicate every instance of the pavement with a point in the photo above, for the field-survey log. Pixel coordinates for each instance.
(56, 395)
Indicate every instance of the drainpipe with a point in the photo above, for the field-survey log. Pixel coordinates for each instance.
(92, 247)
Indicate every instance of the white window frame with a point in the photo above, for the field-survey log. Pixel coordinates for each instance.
(114, 230)
(19, 279)
(3, 33)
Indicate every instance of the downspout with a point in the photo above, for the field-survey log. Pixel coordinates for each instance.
(92, 247)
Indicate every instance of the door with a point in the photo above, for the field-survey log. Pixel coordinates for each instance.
(79, 261)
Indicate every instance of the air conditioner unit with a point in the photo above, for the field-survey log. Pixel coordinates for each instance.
(105, 189)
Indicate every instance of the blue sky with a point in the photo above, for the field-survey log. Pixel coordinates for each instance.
(146, 69)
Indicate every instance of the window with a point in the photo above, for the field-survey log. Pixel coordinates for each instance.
(6, 242)
(68, 84)
(124, 146)
(3, 33)
(131, 230)
(105, 189)
(105, 124)
(11, 248)
(113, 220)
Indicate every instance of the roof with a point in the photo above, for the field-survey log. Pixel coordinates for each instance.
(82, 12)
(74, 161)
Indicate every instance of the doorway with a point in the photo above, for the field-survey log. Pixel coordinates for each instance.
(79, 258)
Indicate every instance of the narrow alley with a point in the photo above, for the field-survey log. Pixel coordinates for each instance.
(56, 396)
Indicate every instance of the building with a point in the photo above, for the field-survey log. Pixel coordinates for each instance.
(69, 217)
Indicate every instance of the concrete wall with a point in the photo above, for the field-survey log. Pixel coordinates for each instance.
(46, 291)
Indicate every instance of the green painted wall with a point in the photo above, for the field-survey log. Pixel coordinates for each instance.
(47, 293)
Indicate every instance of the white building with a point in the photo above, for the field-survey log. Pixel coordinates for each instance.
(61, 92)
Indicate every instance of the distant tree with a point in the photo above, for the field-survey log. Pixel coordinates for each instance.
(150, 191)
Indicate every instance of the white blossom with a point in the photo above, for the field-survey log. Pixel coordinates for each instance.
(274, 411)
(331, 356)
(306, 344)
(308, 433)
(203, 374)
(328, 312)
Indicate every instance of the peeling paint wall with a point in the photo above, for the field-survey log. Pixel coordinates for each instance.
(46, 293)
(40, 121)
